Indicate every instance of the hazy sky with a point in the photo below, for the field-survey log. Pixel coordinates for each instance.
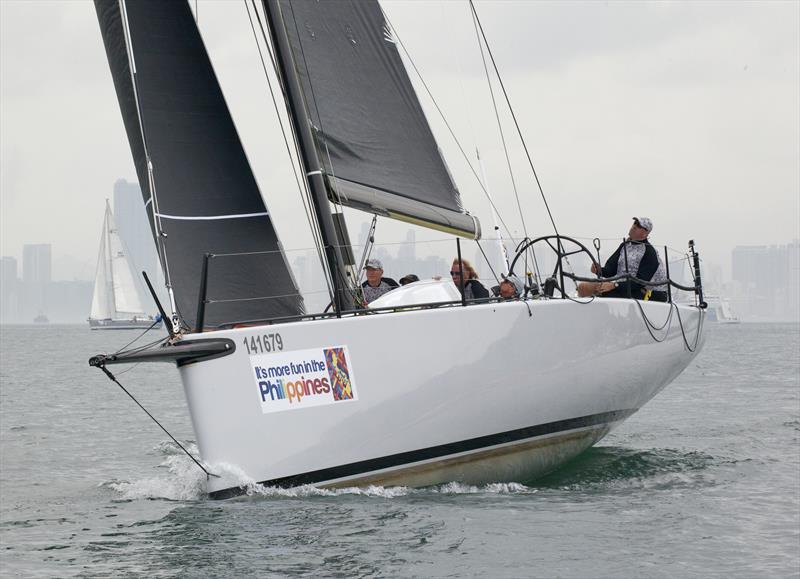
(685, 112)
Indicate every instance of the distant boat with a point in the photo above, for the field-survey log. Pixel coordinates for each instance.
(116, 302)
(725, 314)
(719, 310)
(41, 319)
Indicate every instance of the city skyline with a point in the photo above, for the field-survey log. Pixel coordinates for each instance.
(688, 113)
(684, 112)
(763, 285)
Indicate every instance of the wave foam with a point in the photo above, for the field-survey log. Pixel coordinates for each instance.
(182, 482)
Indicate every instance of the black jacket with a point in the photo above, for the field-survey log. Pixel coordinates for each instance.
(476, 287)
(646, 270)
(387, 280)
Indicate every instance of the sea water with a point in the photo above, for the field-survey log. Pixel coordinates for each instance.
(703, 482)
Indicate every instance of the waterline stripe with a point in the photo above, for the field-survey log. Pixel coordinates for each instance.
(440, 451)
(211, 217)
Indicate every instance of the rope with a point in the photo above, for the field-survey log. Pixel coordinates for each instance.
(650, 326)
(175, 440)
(137, 338)
(683, 332)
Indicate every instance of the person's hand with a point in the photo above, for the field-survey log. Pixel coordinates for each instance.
(606, 286)
(594, 267)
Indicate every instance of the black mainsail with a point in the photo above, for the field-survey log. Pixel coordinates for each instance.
(378, 151)
(192, 167)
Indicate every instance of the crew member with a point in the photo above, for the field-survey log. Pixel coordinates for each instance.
(376, 285)
(636, 257)
(472, 288)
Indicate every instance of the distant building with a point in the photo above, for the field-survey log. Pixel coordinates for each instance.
(37, 263)
(68, 302)
(766, 281)
(307, 272)
(9, 290)
(134, 226)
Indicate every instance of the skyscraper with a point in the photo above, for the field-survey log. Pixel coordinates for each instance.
(37, 263)
(133, 225)
(766, 280)
(36, 275)
(9, 283)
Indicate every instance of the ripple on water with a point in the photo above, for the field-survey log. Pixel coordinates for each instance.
(617, 467)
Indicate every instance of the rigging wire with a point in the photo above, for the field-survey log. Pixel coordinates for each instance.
(347, 285)
(302, 187)
(153, 418)
(446, 123)
(460, 76)
(505, 146)
(137, 338)
(513, 116)
(301, 184)
(500, 128)
(489, 263)
(154, 209)
(369, 245)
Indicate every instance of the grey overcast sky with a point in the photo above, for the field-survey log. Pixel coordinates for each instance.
(687, 112)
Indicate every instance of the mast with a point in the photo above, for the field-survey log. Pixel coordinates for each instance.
(310, 161)
(109, 265)
(103, 294)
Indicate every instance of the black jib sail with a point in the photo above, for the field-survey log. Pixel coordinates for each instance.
(376, 146)
(205, 197)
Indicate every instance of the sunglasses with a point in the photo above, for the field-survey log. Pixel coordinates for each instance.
(455, 273)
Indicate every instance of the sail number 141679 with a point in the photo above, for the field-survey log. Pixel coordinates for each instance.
(263, 343)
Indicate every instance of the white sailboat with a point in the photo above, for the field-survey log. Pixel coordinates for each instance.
(725, 314)
(116, 301)
(425, 386)
(720, 311)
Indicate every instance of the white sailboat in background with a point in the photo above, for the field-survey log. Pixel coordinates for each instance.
(424, 387)
(116, 301)
(720, 311)
(725, 314)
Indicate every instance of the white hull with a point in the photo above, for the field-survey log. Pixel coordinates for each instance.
(122, 324)
(478, 394)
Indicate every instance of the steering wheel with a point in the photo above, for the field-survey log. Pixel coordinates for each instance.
(562, 246)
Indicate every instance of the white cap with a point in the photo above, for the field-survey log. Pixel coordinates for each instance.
(518, 285)
(644, 223)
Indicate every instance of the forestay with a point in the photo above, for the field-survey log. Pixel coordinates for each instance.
(202, 194)
(379, 153)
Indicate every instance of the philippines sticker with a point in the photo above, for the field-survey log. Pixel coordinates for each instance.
(303, 378)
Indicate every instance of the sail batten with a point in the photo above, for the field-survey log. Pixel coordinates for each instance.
(196, 181)
(378, 151)
(212, 217)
